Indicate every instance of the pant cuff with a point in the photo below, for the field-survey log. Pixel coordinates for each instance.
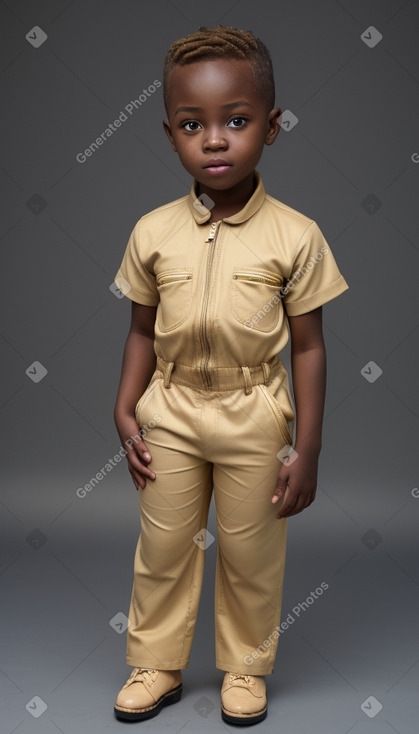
(242, 669)
(173, 665)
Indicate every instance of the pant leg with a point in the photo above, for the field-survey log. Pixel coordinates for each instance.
(169, 565)
(251, 540)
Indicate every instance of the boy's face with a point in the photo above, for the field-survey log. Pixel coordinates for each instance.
(216, 114)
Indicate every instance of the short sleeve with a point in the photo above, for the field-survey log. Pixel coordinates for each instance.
(132, 278)
(315, 277)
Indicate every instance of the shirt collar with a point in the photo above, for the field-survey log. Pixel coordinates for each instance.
(201, 214)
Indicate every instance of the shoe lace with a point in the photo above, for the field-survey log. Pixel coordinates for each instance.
(246, 678)
(141, 674)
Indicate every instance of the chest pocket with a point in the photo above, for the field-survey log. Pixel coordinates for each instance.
(255, 298)
(175, 289)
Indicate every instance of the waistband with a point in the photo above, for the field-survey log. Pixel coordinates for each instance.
(222, 378)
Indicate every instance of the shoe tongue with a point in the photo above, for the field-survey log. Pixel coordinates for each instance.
(240, 676)
(139, 673)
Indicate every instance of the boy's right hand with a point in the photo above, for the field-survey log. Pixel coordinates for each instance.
(138, 455)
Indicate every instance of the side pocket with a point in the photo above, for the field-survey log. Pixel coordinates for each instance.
(277, 411)
(146, 394)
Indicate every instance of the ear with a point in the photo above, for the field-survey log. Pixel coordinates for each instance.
(272, 125)
(168, 132)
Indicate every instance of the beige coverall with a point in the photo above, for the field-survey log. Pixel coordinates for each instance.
(215, 414)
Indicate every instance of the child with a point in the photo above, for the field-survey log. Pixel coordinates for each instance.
(214, 282)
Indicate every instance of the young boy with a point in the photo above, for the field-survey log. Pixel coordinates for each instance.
(214, 282)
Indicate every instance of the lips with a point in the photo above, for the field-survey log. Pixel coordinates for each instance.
(216, 163)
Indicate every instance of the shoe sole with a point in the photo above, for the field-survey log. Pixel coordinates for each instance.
(167, 699)
(244, 720)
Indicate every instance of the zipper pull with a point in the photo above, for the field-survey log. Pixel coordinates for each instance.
(212, 232)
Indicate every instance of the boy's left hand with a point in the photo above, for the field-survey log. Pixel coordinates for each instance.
(297, 483)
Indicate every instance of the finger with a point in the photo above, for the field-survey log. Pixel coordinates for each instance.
(289, 503)
(144, 453)
(302, 503)
(280, 488)
(138, 446)
(142, 472)
(139, 482)
(139, 479)
(135, 459)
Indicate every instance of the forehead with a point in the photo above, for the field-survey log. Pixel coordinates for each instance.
(211, 81)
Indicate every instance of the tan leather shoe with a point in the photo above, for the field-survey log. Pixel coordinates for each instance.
(146, 692)
(243, 698)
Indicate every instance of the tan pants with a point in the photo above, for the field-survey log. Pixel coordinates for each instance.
(202, 440)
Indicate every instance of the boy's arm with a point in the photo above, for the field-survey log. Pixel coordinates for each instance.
(297, 480)
(308, 362)
(138, 365)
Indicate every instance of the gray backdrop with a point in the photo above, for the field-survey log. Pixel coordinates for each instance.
(348, 71)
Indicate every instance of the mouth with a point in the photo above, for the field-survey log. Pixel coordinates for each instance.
(217, 166)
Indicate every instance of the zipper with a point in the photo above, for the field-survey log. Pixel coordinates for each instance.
(211, 240)
(173, 276)
(212, 232)
(269, 280)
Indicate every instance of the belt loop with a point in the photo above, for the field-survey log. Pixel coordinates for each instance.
(247, 380)
(266, 371)
(168, 367)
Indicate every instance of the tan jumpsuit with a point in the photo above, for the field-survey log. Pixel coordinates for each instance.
(215, 414)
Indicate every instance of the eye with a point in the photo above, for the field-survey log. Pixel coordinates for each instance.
(240, 120)
(191, 122)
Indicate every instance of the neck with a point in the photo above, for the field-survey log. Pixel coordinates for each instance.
(228, 201)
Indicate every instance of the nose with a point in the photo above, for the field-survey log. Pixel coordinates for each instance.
(214, 139)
